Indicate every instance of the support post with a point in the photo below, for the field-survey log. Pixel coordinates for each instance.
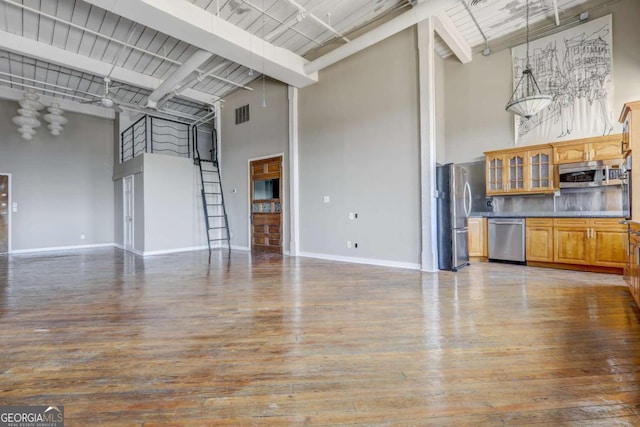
(427, 101)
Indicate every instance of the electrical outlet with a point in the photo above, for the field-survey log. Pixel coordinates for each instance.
(348, 244)
(326, 199)
(355, 245)
(82, 236)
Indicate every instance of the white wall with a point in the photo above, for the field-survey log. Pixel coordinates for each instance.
(265, 134)
(359, 145)
(62, 184)
(173, 215)
(477, 93)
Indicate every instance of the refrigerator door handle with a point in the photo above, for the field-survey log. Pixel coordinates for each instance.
(467, 194)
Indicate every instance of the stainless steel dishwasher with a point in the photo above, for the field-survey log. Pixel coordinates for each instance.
(506, 239)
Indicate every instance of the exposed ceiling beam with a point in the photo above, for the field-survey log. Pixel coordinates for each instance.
(55, 55)
(170, 83)
(419, 13)
(450, 34)
(194, 25)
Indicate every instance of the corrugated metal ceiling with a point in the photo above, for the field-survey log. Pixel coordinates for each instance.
(300, 26)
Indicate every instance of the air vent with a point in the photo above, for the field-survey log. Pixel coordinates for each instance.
(242, 114)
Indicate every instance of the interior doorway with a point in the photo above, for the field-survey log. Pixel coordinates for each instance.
(266, 204)
(5, 213)
(127, 209)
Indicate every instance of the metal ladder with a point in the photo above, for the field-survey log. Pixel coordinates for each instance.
(215, 213)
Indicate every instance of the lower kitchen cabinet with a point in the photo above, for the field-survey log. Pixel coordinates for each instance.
(571, 237)
(539, 239)
(595, 242)
(631, 271)
(477, 237)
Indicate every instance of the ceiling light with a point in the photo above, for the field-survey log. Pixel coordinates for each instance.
(527, 99)
(55, 119)
(27, 119)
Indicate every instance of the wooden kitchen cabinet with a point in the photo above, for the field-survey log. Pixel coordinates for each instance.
(631, 271)
(571, 237)
(630, 141)
(540, 170)
(595, 242)
(495, 173)
(588, 149)
(539, 239)
(516, 172)
(477, 237)
(520, 171)
(608, 240)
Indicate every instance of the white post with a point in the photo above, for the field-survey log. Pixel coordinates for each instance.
(426, 71)
(294, 203)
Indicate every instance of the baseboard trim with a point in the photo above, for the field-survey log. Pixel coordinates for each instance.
(173, 251)
(368, 261)
(240, 248)
(578, 267)
(63, 248)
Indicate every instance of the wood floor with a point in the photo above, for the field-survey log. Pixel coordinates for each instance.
(121, 340)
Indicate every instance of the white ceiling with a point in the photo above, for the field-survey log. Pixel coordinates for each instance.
(205, 49)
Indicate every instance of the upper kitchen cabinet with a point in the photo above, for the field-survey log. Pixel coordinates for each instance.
(588, 149)
(630, 118)
(495, 173)
(520, 171)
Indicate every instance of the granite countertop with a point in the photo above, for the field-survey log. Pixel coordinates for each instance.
(566, 214)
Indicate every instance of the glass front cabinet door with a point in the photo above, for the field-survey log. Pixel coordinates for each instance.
(540, 170)
(495, 174)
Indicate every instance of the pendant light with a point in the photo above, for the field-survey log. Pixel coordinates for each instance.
(27, 120)
(532, 100)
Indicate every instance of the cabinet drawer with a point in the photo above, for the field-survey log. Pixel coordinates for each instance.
(608, 223)
(571, 222)
(539, 222)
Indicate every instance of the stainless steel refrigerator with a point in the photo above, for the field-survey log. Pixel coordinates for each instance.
(454, 206)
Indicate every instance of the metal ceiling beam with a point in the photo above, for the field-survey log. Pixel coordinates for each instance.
(170, 83)
(450, 34)
(422, 11)
(187, 22)
(55, 55)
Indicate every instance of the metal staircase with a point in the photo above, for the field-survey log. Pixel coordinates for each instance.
(215, 213)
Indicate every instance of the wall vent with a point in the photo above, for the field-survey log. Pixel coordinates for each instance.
(242, 114)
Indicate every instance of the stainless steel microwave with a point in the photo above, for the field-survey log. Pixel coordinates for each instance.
(590, 174)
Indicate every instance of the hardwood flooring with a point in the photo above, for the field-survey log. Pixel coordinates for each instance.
(170, 340)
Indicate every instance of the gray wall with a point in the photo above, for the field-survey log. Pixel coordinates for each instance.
(359, 145)
(62, 184)
(173, 216)
(476, 93)
(266, 134)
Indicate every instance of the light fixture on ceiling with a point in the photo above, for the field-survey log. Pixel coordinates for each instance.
(55, 119)
(530, 100)
(27, 120)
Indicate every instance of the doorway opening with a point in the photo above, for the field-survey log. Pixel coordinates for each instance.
(266, 204)
(5, 213)
(127, 209)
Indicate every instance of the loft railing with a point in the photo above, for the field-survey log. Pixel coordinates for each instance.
(155, 135)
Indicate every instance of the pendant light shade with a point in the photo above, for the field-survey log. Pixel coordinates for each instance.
(26, 120)
(55, 119)
(527, 99)
(533, 100)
